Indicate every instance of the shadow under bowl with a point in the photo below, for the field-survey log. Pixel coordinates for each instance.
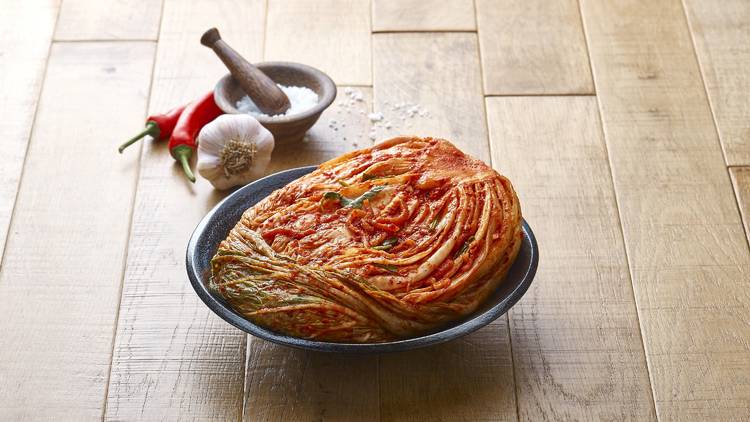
(224, 216)
(284, 128)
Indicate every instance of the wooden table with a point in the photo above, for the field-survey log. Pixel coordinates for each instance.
(623, 124)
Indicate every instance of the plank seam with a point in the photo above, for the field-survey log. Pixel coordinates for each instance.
(423, 31)
(123, 272)
(736, 192)
(551, 94)
(481, 67)
(265, 31)
(28, 139)
(703, 79)
(481, 76)
(513, 367)
(619, 218)
(101, 40)
(245, 381)
(586, 45)
(380, 396)
(507, 314)
(476, 19)
(713, 120)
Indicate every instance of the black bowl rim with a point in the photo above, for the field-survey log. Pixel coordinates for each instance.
(468, 325)
(318, 108)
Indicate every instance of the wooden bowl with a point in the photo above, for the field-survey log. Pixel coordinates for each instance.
(284, 128)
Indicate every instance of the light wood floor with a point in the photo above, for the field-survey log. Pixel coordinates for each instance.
(623, 124)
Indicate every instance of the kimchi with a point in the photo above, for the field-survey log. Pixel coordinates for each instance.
(382, 243)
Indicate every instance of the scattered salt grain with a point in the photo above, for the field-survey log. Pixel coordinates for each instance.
(354, 95)
(391, 116)
(300, 99)
(375, 117)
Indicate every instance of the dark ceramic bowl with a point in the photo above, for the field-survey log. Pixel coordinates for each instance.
(285, 128)
(216, 225)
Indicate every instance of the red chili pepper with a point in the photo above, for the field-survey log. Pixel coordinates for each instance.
(159, 126)
(196, 115)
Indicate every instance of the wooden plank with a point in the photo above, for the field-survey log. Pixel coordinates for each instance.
(419, 70)
(421, 15)
(22, 62)
(687, 252)
(173, 358)
(108, 20)
(741, 179)
(722, 43)
(533, 47)
(576, 341)
(468, 379)
(471, 378)
(60, 282)
(332, 35)
(285, 384)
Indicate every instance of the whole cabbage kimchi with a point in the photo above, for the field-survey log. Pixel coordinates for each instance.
(379, 244)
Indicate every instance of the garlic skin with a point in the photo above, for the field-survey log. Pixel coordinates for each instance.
(233, 150)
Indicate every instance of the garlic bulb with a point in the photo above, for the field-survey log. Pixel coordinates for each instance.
(233, 150)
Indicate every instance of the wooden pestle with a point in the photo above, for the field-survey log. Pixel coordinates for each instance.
(260, 88)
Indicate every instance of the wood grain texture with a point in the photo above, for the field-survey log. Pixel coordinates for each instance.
(470, 378)
(533, 47)
(23, 56)
(687, 252)
(576, 340)
(286, 384)
(423, 15)
(421, 70)
(173, 358)
(60, 282)
(331, 35)
(109, 20)
(741, 179)
(721, 33)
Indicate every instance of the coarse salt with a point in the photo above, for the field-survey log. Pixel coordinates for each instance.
(392, 116)
(375, 117)
(300, 99)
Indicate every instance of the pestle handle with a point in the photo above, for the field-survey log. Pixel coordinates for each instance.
(262, 90)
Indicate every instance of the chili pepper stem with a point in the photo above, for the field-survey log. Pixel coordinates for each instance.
(151, 129)
(182, 153)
